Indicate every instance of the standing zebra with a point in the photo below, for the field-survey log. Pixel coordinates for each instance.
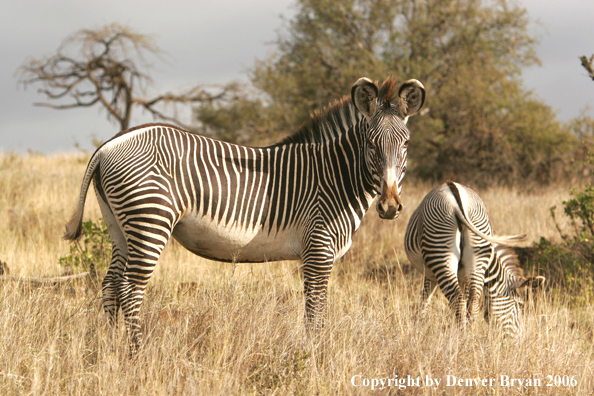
(449, 240)
(302, 198)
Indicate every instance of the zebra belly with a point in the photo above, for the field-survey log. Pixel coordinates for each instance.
(205, 238)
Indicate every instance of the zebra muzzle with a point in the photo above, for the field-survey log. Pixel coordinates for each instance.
(389, 204)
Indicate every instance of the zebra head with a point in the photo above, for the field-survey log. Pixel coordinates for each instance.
(507, 284)
(530, 284)
(386, 136)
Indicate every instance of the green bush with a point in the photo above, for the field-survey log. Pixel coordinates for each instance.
(581, 209)
(93, 254)
(567, 269)
(568, 265)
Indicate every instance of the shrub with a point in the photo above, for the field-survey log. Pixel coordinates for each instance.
(568, 266)
(93, 254)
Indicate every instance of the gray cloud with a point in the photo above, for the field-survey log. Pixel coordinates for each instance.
(566, 32)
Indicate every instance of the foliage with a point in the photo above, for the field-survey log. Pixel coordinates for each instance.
(582, 127)
(238, 118)
(587, 64)
(479, 121)
(569, 266)
(105, 66)
(93, 254)
(581, 208)
(502, 134)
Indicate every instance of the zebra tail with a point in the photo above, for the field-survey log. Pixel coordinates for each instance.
(505, 240)
(74, 225)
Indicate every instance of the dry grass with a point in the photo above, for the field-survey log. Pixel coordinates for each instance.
(215, 328)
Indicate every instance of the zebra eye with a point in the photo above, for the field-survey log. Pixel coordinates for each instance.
(405, 145)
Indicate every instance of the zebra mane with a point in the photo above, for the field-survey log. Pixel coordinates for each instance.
(326, 124)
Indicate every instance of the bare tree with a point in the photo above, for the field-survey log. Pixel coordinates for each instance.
(103, 66)
(587, 63)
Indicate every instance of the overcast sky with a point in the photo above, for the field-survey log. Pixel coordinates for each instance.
(217, 41)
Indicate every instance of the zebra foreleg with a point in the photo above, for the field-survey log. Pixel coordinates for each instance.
(318, 258)
(316, 289)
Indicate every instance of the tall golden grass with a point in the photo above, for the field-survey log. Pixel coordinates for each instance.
(223, 329)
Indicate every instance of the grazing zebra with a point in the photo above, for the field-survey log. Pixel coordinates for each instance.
(302, 198)
(449, 240)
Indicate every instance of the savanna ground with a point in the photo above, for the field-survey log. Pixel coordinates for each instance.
(223, 329)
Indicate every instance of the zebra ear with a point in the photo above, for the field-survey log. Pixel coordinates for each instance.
(364, 95)
(412, 97)
(534, 282)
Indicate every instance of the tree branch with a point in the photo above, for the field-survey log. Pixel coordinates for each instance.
(113, 111)
(587, 63)
(43, 281)
(195, 95)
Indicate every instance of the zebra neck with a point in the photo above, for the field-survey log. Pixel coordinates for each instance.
(345, 173)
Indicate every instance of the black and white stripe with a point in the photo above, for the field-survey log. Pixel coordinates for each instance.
(449, 239)
(300, 199)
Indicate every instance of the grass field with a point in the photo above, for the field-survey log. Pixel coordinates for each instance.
(224, 329)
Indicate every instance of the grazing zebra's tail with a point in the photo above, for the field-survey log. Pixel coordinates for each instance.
(74, 225)
(505, 240)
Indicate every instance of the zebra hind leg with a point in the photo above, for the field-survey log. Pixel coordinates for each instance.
(483, 255)
(429, 287)
(131, 296)
(119, 257)
(444, 265)
(475, 292)
(455, 295)
(145, 243)
(110, 285)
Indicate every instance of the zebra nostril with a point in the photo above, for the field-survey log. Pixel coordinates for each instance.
(387, 210)
(380, 208)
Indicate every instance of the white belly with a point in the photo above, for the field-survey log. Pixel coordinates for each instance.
(416, 259)
(205, 238)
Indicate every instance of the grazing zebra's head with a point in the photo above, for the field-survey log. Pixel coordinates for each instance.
(505, 281)
(386, 136)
